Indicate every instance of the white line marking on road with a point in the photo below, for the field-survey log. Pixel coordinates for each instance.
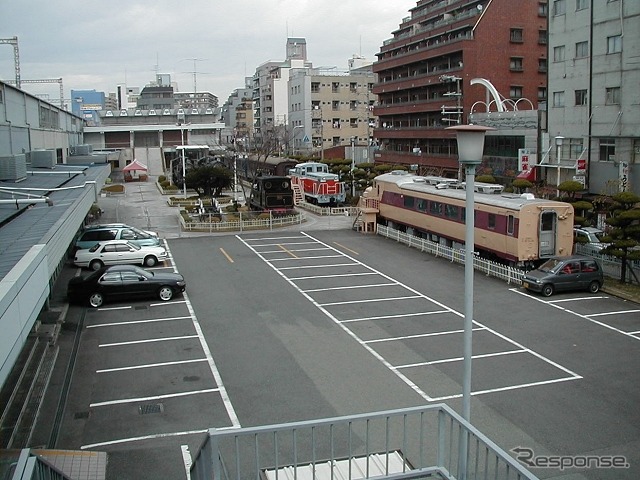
(580, 299)
(611, 313)
(398, 315)
(510, 387)
(460, 359)
(152, 397)
(419, 335)
(300, 267)
(313, 277)
(289, 259)
(586, 317)
(139, 439)
(351, 287)
(148, 340)
(133, 322)
(390, 299)
(150, 365)
(295, 250)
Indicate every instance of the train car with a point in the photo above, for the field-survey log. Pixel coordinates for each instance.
(515, 229)
(272, 193)
(318, 185)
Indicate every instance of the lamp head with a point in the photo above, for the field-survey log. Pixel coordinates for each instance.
(470, 142)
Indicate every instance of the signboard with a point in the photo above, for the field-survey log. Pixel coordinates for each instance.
(527, 159)
(581, 166)
(91, 106)
(623, 176)
(580, 178)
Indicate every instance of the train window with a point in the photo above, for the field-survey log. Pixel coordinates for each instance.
(492, 221)
(435, 208)
(511, 222)
(451, 211)
(422, 205)
(408, 201)
(285, 184)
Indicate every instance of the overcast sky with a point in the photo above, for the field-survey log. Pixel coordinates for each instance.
(97, 45)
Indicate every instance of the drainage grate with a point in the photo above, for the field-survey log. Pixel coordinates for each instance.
(81, 415)
(151, 408)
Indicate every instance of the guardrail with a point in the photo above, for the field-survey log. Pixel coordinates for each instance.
(430, 441)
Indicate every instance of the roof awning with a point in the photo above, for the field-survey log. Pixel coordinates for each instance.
(527, 175)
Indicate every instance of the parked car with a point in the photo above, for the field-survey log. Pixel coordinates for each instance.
(590, 238)
(124, 282)
(576, 272)
(117, 252)
(115, 231)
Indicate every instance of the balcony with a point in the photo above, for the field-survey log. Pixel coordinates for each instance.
(411, 443)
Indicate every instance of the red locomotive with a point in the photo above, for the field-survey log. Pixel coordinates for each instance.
(317, 185)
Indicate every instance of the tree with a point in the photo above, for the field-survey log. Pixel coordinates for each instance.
(209, 181)
(570, 188)
(624, 235)
(521, 184)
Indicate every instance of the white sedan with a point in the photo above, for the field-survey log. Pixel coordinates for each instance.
(112, 252)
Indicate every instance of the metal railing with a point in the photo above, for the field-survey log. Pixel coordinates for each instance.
(240, 222)
(329, 211)
(432, 441)
(28, 466)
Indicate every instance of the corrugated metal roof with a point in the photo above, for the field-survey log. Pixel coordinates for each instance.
(31, 224)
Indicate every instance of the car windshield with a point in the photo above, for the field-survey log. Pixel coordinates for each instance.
(550, 265)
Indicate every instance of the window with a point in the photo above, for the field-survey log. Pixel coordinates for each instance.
(607, 149)
(581, 97)
(353, 87)
(335, 105)
(582, 49)
(614, 44)
(315, 87)
(451, 211)
(543, 9)
(515, 91)
(558, 53)
(558, 99)
(422, 205)
(571, 148)
(511, 221)
(542, 37)
(542, 65)
(542, 94)
(435, 208)
(516, 35)
(492, 221)
(353, 122)
(408, 201)
(612, 96)
(582, 4)
(335, 87)
(559, 7)
(515, 64)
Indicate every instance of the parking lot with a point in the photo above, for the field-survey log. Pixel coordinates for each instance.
(284, 326)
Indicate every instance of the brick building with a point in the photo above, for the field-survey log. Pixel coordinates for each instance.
(425, 72)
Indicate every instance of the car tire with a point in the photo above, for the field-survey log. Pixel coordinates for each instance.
(594, 287)
(165, 293)
(95, 265)
(547, 290)
(150, 261)
(96, 300)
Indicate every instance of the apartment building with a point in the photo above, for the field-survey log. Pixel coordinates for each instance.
(594, 79)
(425, 72)
(328, 108)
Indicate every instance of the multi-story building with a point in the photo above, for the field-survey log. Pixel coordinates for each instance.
(594, 75)
(237, 115)
(196, 100)
(425, 73)
(270, 93)
(328, 108)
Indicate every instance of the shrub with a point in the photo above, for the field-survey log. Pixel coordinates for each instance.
(161, 179)
(116, 188)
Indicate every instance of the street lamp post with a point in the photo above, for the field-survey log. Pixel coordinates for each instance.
(559, 141)
(470, 147)
(353, 166)
(184, 168)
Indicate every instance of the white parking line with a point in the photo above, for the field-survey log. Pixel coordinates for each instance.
(311, 266)
(150, 365)
(291, 259)
(418, 335)
(350, 287)
(399, 315)
(371, 300)
(624, 312)
(148, 340)
(461, 359)
(132, 322)
(313, 277)
(580, 315)
(153, 397)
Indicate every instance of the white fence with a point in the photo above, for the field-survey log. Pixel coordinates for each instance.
(240, 222)
(610, 265)
(326, 211)
(490, 268)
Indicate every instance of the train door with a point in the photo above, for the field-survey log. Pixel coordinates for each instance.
(548, 233)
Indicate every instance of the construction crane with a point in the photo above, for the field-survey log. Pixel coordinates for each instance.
(16, 55)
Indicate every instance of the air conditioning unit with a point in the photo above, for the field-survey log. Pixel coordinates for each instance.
(43, 158)
(13, 167)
